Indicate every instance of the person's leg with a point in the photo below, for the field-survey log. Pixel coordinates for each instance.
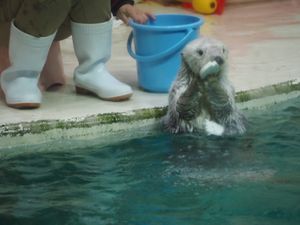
(4, 60)
(4, 37)
(92, 36)
(53, 70)
(31, 36)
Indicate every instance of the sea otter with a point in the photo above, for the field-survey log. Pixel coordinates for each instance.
(201, 97)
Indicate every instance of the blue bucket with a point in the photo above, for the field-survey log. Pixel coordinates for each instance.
(158, 45)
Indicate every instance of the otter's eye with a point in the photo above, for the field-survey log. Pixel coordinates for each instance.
(200, 52)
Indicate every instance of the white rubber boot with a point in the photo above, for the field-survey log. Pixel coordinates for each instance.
(92, 45)
(19, 82)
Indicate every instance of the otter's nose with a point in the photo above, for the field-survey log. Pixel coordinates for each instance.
(219, 60)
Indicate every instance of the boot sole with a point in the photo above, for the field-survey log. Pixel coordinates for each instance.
(27, 105)
(121, 98)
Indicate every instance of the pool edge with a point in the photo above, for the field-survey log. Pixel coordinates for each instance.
(103, 125)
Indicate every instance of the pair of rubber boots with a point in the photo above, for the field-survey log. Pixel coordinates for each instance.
(28, 54)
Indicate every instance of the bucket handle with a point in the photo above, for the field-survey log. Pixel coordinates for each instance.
(160, 55)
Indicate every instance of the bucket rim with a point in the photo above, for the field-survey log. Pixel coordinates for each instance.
(197, 23)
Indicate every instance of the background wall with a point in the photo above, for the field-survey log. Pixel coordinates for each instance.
(227, 1)
(243, 1)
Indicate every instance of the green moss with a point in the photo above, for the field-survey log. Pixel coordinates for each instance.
(60, 125)
(243, 96)
(39, 127)
(281, 88)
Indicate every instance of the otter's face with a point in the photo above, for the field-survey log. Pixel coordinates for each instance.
(202, 51)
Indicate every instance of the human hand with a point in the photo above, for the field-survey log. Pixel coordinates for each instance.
(128, 11)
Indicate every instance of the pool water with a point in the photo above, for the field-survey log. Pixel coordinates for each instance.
(163, 179)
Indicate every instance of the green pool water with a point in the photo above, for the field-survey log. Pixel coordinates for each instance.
(163, 179)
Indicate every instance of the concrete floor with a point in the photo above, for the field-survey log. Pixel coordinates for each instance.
(263, 39)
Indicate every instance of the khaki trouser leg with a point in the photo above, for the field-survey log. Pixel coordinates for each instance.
(82, 12)
(43, 17)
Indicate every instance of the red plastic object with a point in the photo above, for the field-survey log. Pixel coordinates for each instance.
(220, 7)
(187, 5)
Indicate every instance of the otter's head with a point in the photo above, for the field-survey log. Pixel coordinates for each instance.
(205, 51)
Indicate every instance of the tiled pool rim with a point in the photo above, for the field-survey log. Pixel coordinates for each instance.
(115, 126)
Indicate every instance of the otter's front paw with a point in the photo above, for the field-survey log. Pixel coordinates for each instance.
(210, 68)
